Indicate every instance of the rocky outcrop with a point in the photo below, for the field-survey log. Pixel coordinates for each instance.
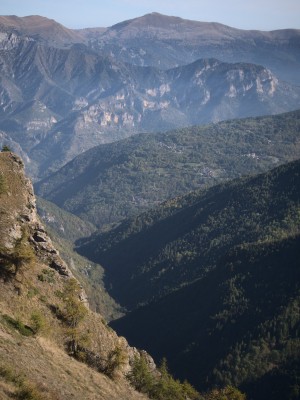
(22, 215)
(19, 223)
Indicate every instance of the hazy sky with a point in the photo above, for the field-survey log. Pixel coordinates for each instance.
(246, 14)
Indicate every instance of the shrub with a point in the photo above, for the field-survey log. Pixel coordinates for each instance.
(227, 393)
(5, 148)
(29, 391)
(38, 322)
(18, 325)
(116, 360)
(160, 386)
(47, 275)
(140, 375)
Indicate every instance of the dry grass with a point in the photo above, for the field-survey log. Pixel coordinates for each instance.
(30, 297)
(57, 374)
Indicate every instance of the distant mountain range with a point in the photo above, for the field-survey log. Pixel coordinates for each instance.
(62, 93)
(111, 182)
(166, 42)
(213, 282)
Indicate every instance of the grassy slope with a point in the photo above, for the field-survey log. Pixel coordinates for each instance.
(35, 290)
(56, 375)
(115, 181)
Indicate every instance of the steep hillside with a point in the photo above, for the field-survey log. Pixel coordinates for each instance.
(64, 229)
(180, 241)
(212, 280)
(65, 225)
(239, 325)
(52, 346)
(78, 98)
(44, 317)
(91, 277)
(115, 181)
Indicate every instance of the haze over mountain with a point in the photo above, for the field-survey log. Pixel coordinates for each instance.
(58, 101)
(111, 182)
(39, 28)
(164, 41)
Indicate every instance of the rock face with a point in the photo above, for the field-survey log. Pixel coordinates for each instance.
(19, 214)
(33, 278)
(78, 98)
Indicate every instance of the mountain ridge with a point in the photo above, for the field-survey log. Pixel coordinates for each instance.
(211, 281)
(82, 95)
(125, 178)
(180, 241)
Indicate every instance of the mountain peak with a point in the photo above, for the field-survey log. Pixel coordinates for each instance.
(154, 19)
(40, 27)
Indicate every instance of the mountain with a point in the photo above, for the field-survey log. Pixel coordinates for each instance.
(166, 42)
(239, 325)
(39, 28)
(65, 225)
(44, 314)
(111, 182)
(178, 242)
(212, 282)
(57, 102)
(53, 347)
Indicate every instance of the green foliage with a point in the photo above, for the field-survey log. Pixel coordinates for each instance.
(21, 256)
(232, 327)
(29, 391)
(74, 310)
(116, 359)
(65, 228)
(18, 325)
(5, 148)
(73, 313)
(90, 276)
(227, 393)
(38, 322)
(161, 386)
(140, 376)
(32, 292)
(9, 374)
(47, 275)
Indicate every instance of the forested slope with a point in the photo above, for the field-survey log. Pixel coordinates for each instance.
(179, 242)
(111, 182)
